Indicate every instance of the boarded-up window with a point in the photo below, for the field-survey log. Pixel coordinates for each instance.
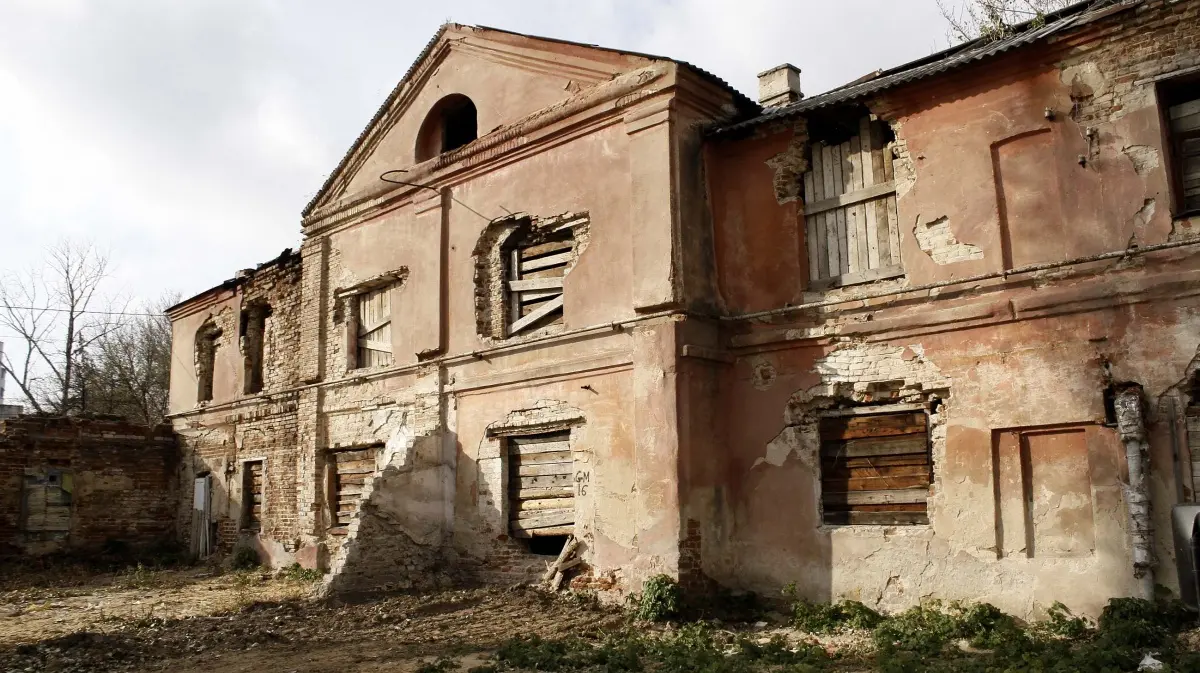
(853, 235)
(534, 281)
(351, 469)
(252, 494)
(875, 469)
(374, 327)
(47, 499)
(1183, 121)
(541, 491)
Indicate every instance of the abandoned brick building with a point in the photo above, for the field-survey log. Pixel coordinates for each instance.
(930, 334)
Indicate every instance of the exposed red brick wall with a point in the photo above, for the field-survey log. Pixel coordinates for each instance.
(125, 482)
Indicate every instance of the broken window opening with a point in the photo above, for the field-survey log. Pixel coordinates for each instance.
(1179, 101)
(852, 226)
(535, 266)
(371, 328)
(350, 469)
(252, 495)
(46, 501)
(875, 468)
(207, 342)
(451, 123)
(254, 328)
(541, 488)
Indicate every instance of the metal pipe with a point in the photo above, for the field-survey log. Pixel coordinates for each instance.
(1131, 425)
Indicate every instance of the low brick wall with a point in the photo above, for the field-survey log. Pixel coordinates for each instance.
(85, 485)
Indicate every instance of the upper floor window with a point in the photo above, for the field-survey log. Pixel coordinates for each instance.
(853, 234)
(452, 123)
(534, 270)
(372, 326)
(1181, 107)
(207, 342)
(521, 265)
(254, 328)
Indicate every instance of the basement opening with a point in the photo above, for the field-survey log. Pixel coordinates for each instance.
(547, 545)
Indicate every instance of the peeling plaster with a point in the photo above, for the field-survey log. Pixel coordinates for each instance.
(1143, 157)
(790, 165)
(937, 240)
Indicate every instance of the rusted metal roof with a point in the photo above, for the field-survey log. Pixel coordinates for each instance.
(935, 64)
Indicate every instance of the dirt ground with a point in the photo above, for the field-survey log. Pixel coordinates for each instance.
(203, 620)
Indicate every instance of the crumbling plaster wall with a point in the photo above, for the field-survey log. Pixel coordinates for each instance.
(609, 396)
(1019, 144)
(1019, 376)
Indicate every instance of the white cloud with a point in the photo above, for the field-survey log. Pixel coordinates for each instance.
(188, 136)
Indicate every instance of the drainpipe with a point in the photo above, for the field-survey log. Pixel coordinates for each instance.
(1131, 425)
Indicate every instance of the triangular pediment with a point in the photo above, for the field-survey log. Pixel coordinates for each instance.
(507, 76)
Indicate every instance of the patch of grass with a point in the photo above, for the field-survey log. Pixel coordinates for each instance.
(693, 648)
(830, 617)
(660, 599)
(297, 574)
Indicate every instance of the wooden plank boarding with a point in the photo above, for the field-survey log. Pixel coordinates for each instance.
(810, 226)
(875, 468)
(877, 446)
(882, 497)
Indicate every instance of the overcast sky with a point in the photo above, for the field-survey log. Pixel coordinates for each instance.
(185, 136)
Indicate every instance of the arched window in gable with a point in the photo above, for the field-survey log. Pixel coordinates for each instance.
(450, 124)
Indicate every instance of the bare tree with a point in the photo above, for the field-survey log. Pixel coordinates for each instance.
(127, 370)
(53, 312)
(993, 19)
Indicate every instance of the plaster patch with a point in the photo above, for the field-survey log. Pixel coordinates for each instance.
(1143, 157)
(937, 240)
(763, 374)
(1144, 214)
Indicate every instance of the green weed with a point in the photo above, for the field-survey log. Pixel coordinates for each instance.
(660, 599)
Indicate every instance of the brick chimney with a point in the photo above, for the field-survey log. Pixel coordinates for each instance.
(779, 86)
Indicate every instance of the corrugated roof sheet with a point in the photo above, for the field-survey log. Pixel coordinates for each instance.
(944, 61)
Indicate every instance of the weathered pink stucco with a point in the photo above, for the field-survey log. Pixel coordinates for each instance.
(691, 415)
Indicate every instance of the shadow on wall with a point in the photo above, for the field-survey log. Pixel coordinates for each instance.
(397, 538)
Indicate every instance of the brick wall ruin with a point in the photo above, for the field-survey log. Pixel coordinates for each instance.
(85, 486)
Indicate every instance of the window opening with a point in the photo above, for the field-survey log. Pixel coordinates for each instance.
(451, 123)
(373, 326)
(852, 227)
(541, 491)
(875, 469)
(254, 328)
(534, 274)
(207, 342)
(252, 495)
(1181, 108)
(48, 494)
(351, 470)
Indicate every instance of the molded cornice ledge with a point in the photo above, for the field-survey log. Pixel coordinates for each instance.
(599, 100)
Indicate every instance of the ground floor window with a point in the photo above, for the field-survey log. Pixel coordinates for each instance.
(46, 501)
(252, 495)
(351, 470)
(875, 467)
(541, 491)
